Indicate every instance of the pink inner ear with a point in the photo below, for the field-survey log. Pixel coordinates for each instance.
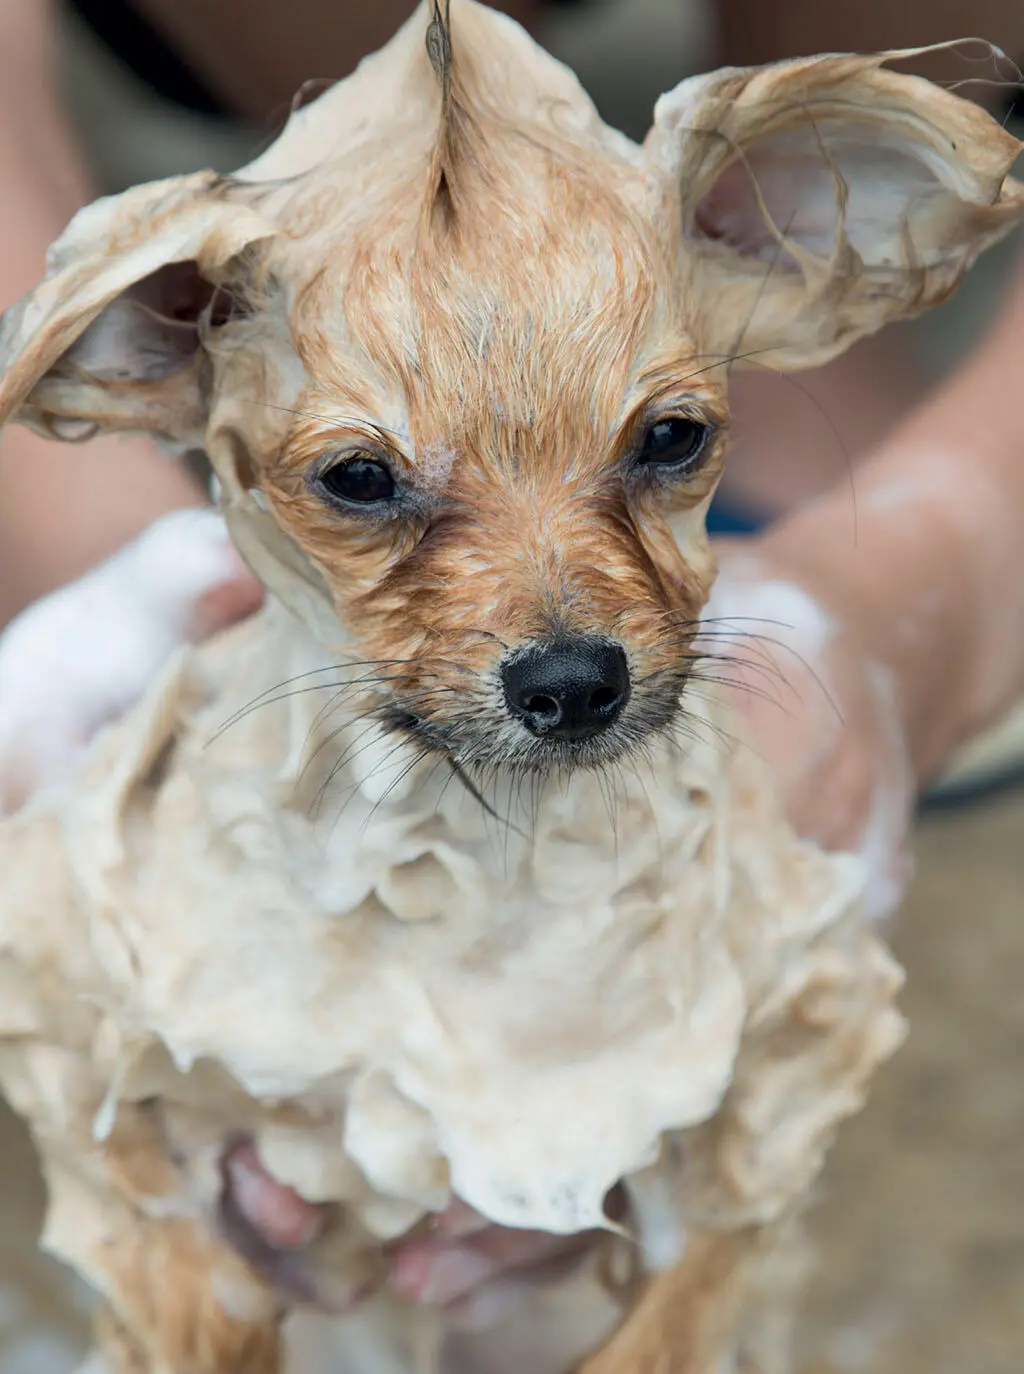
(177, 292)
(798, 191)
(886, 177)
(152, 330)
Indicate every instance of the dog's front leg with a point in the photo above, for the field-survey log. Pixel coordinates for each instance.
(177, 1298)
(687, 1317)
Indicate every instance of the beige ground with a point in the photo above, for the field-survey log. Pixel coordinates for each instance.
(921, 1226)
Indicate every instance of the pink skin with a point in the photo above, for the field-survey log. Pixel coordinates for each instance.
(276, 1212)
(233, 599)
(461, 1256)
(464, 1254)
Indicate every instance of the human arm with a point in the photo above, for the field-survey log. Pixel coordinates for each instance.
(934, 581)
(893, 623)
(914, 549)
(62, 508)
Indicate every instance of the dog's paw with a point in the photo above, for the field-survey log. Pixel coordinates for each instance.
(80, 657)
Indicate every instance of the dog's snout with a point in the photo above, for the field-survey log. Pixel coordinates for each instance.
(568, 689)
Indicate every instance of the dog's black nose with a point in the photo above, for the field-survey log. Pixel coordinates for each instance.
(569, 688)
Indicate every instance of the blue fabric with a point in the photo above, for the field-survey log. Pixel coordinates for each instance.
(724, 519)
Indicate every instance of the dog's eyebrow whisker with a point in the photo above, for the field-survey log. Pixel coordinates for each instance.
(334, 422)
(776, 258)
(725, 360)
(822, 410)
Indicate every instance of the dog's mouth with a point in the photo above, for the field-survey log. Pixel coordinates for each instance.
(490, 738)
(554, 706)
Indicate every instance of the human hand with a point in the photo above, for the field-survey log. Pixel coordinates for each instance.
(461, 1264)
(80, 657)
(821, 709)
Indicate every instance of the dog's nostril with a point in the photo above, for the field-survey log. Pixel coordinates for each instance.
(569, 688)
(604, 699)
(544, 707)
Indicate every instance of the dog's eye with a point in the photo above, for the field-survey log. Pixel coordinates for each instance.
(359, 481)
(674, 442)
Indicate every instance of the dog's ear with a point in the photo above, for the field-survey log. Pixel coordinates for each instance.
(819, 199)
(111, 337)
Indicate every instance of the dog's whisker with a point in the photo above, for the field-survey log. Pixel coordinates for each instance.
(688, 727)
(371, 711)
(357, 745)
(360, 783)
(750, 689)
(478, 796)
(382, 700)
(395, 782)
(260, 699)
(768, 673)
(741, 689)
(367, 680)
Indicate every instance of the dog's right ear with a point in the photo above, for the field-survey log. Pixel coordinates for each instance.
(822, 198)
(111, 338)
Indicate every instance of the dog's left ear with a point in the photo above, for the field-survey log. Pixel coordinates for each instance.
(113, 337)
(819, 199)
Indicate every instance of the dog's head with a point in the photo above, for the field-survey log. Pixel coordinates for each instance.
(459, 353)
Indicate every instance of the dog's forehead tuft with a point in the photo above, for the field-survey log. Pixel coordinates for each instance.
(542, 309)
